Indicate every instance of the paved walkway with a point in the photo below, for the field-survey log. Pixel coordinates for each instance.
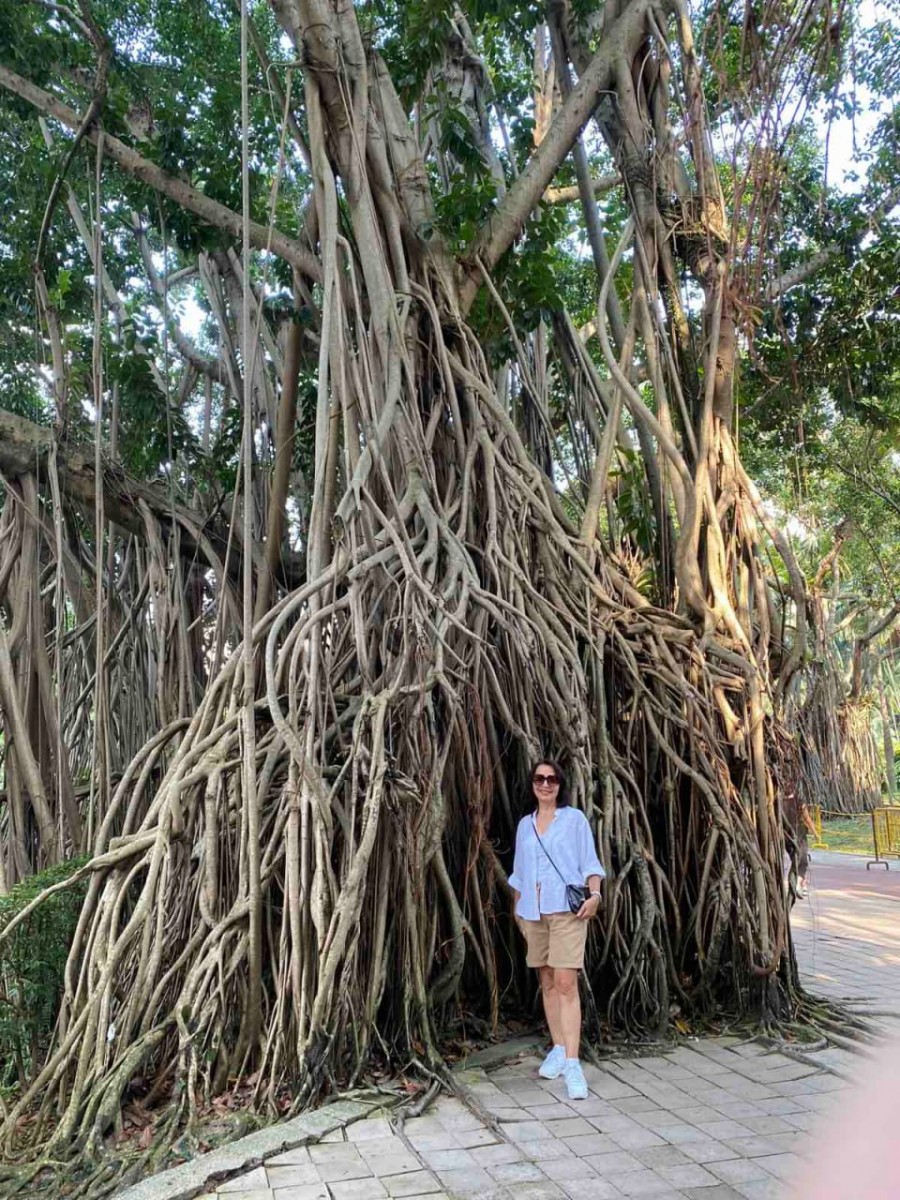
(847, 932)
(713, 1119)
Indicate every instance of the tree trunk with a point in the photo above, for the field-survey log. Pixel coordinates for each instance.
(887, 737)
(453, 624)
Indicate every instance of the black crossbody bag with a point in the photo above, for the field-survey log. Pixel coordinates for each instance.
(576, 894)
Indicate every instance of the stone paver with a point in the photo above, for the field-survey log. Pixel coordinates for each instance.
(713, 1119)
(847, 932)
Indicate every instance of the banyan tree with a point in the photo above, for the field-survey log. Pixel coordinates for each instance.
(292, 596)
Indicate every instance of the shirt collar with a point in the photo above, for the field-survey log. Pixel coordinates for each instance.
(555, 815)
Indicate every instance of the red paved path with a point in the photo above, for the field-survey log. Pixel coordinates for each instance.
(847, 931)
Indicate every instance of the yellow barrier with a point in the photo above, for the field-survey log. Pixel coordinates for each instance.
(815, 812)
(885, 835)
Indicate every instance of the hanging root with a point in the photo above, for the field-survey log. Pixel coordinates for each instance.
(453, 626)
(444, 644)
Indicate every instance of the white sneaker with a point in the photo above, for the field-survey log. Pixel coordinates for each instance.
(552, 1066)
(576, 1084)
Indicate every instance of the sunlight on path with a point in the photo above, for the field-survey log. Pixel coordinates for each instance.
(847, 932)
(711, 1119)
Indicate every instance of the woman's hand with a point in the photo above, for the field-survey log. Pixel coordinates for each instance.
(588, 909)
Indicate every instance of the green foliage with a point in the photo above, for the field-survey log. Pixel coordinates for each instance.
(850, 835)
(632, 502)
(532, 280)
(412, 36)
(147, 437)
(29, 45)
(878, 51)
(820, 392)
(824, 373)
(32, 962)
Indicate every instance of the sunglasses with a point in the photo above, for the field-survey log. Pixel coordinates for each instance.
(550, 780)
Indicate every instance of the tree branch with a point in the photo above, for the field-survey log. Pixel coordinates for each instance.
(103, 50)
(25, 446)
(274, 85)
(587, 191)
(805, 270)
(189, 352)
(859, 478)
(568, 195)
(500, 231)
(861, 674)
(880, 625)
(261, 238)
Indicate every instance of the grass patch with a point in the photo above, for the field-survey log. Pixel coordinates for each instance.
(852, 835)
(32, 962)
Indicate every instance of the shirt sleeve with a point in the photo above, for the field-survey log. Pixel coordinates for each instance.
(515, 879)
(588, 862)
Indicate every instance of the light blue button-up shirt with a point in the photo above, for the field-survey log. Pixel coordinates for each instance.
(571, 845)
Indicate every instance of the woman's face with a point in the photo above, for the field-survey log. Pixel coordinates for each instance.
(545, 783)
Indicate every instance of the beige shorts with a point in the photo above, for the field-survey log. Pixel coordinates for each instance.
(556, 940)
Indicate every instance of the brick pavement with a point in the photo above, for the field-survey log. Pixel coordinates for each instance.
(847, 932)
(715, 1119)
(711, 1119)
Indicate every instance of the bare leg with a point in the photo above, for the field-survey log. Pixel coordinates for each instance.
(550, 997)
(565, 987)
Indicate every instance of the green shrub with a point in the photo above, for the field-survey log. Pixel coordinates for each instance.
(32, 965)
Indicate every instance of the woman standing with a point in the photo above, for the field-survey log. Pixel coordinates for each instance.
(555, 847)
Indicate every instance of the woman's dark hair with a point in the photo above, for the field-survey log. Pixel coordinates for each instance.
(563, 799)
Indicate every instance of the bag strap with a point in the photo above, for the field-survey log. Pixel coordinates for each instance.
(547, 852)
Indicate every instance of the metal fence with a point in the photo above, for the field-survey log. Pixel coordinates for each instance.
(886, 836)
